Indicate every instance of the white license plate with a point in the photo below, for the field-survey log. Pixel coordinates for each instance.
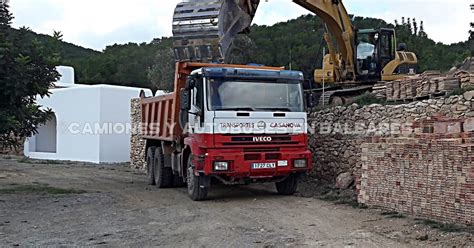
(264, 166)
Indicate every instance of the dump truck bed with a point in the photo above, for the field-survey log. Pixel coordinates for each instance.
(160, 114)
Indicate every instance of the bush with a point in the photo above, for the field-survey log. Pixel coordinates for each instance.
(27, 70)
(368, 99)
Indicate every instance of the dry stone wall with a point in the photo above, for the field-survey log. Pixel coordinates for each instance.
(339, 132)
(415, 158)
(137, 144)
(430, 83)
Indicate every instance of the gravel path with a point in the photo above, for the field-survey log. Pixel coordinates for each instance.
(87, 205)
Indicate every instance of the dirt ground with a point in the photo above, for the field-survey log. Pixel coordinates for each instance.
(91, 205)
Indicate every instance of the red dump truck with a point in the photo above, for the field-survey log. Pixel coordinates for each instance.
(230, 124)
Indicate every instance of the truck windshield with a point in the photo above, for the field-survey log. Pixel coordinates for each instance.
(254, 96)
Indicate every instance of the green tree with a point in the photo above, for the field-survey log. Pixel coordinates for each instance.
(298, 41)
(241, 51)
(471, 34)
(161, 74)
(471, 39)
(26, 70)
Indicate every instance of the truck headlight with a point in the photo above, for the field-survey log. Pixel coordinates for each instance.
(221, 166)
(300, 163)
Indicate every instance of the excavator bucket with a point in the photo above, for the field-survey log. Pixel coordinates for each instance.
(205, 29)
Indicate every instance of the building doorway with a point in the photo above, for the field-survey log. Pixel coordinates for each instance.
(46, 138)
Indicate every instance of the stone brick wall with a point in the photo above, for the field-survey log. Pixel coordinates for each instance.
(426, 84)
(137, 148)
(339, 132)
(430, 175)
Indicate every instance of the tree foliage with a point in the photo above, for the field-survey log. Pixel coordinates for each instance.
(432, 55)
(26, 70)
(303, 38)
(161, 72)
(471, 34)
(125, 65)
(297, 42)
(242, 50)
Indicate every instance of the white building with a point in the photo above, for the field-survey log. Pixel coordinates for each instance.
(91, 123)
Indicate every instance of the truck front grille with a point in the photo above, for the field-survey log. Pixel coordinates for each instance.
(260, 140)
(250, 139)
(259, 143)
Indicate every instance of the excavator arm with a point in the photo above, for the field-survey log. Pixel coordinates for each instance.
(339, 26)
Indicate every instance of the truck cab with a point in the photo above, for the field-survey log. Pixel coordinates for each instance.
(237, 125)
(246, 125)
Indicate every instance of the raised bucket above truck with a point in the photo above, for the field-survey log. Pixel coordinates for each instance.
(205, 29)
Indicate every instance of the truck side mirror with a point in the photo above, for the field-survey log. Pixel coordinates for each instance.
(190, 83)
(185, 106)
(185, 100)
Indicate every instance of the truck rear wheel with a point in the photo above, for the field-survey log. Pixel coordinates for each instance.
(150, 166)
(163, 175)
(196, 189)
(288, 186)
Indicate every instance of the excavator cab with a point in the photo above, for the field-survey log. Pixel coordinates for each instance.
(379, 59)
(375, 48)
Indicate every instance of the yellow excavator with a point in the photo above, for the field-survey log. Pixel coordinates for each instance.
(357, 59)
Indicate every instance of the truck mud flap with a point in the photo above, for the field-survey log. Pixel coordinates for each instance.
(204, 181)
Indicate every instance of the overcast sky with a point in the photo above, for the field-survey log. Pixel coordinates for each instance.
(98, 23)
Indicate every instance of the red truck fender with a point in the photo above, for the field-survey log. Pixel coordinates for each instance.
(192, 148)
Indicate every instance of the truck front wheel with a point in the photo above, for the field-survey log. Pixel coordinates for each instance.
(288, 186)
(197, 190)
(150, 167)
(163, 175)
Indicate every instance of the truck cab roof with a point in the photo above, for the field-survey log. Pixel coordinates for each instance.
(249, 73)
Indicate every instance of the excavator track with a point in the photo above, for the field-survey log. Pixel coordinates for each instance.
(341, 96)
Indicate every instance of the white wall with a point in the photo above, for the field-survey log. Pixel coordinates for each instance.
(67, 76)
(81, 113)
(115, 111)
(74, 109)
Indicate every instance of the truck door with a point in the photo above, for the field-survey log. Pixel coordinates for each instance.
(196, 114)
(386, 48)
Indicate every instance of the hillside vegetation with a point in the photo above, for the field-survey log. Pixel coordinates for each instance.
(296, 42)
(301, 39)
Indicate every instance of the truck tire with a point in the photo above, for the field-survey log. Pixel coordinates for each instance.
(150, 166)
(196, 190)
(163, 175)
(288, 186)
